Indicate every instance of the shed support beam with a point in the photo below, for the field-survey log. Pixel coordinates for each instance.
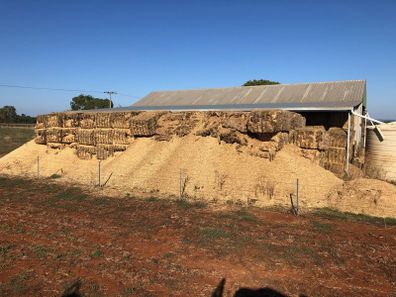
(348, 143)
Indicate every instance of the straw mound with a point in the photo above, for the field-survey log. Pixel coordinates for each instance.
(363, 195)
(204, 168)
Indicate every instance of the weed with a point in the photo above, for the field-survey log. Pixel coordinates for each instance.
(186, 204)
(4, 249)
(55, 176)
(210, 234)
(152, 199)
(241, 215)
(244, 215)
(17, 283)
(129, 291)
(168, 255)
(12, 182)
(75, 194)
(296, 255)
(40, 251)
(322, 227)
(97, 253)
(58, 256)
(19, 229)
(75, 253)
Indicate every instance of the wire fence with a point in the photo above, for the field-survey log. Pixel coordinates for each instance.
(211, 184)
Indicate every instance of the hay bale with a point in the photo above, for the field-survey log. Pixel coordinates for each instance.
(85, 151)
(122, 120)
(54, 135)
(232, 137)
(87, 120)
(40, 122)
(104, 151)
(102, 120)
(236, 121)
(53, 120)
(41, 136)
(337, 137)
(145, 123)
(311, 154)
(309, 137)
(68, 135)
(112, 136)
(260, 122)
(57, 146)
(70, 120)
(86, 136)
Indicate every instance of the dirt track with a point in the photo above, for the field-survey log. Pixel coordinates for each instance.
(51, 235)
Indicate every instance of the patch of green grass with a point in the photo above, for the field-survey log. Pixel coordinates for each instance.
(215, 233)
(298, 254)
(168, 255)
(4, 249)
(75, 253)
(40, 251)
(13, 182)
(97, 253)
(152, 199)
(186, 204)
(347, 216)
(322, 227)
(129, 291)
(17, 283)
(73, 194)
(241, 215)
(55, 176)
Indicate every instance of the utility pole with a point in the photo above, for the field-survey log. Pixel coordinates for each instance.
(110, 93)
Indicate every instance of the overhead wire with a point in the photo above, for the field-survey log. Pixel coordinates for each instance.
(62, 90)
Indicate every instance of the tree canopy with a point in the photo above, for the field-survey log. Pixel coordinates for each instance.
(85, 102)
(9, 115)
(258, 82)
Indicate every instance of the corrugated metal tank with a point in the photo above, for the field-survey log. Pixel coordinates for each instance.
(381, 155)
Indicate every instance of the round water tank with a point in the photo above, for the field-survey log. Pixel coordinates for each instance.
(381, 155)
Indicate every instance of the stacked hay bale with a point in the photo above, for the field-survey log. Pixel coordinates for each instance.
(327, 147)
(260, 133)
(99, 134)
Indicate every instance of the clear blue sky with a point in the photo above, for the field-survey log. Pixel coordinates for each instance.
(135, 47)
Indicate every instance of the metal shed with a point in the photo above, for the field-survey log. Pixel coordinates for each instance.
(329, 104)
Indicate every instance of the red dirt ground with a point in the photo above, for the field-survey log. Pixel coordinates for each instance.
(50, 235)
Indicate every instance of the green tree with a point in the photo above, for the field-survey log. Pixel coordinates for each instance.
(85, 102)
(258, 82)
(8, 114)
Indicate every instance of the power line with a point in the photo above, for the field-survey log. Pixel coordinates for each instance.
(61, 89)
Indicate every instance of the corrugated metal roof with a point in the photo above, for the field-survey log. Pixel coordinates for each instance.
(338, 94)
